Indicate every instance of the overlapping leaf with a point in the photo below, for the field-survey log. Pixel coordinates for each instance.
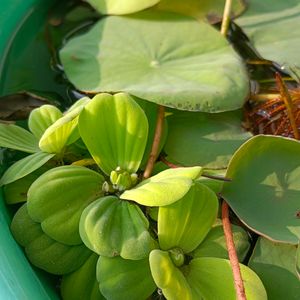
(125, 279)
(265, 187)
(117, 136)
(112, 227)
(164, 188)
(58, 197)
(164, 59)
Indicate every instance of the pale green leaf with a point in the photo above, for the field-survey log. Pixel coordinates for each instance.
(164, 59)
(41, 250)
(25, 166)
(164, 188)
(265, 185)
(112, 227)
(82, 284)
(125, 279)
(43, 117)
(58, 197)
(114, 129)
(191, 217)
(275, 264)
(15, 137)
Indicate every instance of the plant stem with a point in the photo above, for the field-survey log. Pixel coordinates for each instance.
(156, 142)
(226, 17)
(234, 261)
(284, 93)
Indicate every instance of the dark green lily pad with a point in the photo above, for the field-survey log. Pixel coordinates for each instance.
(112, 227)
(275, 264)
(272, 26)
(166, 58)
(207, 140)
(265, 187)
(44, 252)
(125, 279)
(82, 284)
(58, 197)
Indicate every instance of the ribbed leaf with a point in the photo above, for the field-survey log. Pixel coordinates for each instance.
(114, 129)
(191, 217)
(125, 279)
(25, 166)
(164, 188)
(58, 197)
(44, 252)
(82, 284)
(168, 277)
(15, 137)
(43, 117)
(112, 227)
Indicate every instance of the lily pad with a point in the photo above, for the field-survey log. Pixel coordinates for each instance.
(43, 117)
(115, 130)
(202, 9)
(191, 217)
(125, 279)
(272, 26)
(275, 264)
(207, 140)
(265, 185)
(44, 252)
(164, 59)
(120, 7)
(58, 197)
(82, 284)
(164, 188)
(112, 227)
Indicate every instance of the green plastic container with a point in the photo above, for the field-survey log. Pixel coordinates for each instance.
(18, 279)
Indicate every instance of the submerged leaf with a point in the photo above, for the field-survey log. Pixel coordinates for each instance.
(275, 264)
(25, 166)
(114, 129)
(164, 188)
(164, 59)
(265, 185)
(112, 227)
(125, 279)
(44, 252)
(15, 137)
(191, 217)
(58, 197)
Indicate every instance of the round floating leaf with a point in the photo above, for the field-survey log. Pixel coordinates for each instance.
(25, 166)
(58, 197)
(44, 252)
(15, 137)
(191, 217)
(112, 227)
(164, 59)
(114, 129)
(214, 245)
(43, 117)
(164, 188)
(208, 140)
(120, 7)
(168, 277)
(125, 279)
(265, 185)
(272, 28)
(275, 263)
(82, 284)
(211, 278)
(64, 131)
(202, 9)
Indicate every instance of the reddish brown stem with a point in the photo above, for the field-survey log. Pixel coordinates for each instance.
(156, 142)
(234, 261)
